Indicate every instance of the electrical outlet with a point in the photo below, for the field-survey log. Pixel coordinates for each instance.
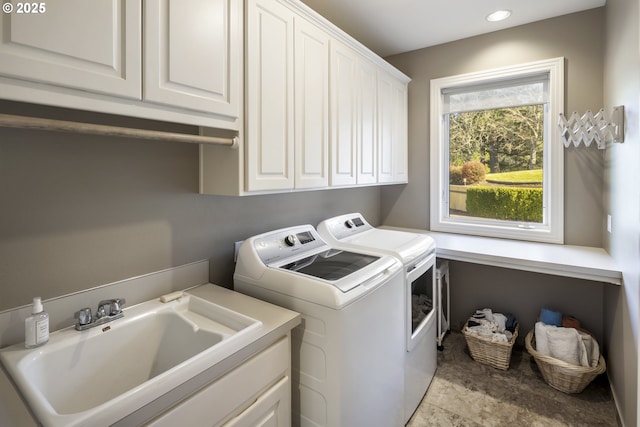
(236, 248)
(609, 223)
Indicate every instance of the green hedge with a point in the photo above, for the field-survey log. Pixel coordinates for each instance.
(516, 204)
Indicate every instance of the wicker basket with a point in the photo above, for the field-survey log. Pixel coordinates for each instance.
(561, 375)
(493, 353)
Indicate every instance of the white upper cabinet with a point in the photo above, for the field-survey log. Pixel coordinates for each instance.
(366, 132)
(189, 54)
(287, 122)
(312, 107)
(344, 121)
(311, 80)
(322, 111)
(269, 86)
(392, 129)
(401, 132)
(89, 55)
(92, 46)
(353, 118)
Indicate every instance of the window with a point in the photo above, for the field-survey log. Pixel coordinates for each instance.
(496, 156)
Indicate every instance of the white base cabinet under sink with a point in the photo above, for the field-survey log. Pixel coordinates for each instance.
(246, 381)
(256, 393)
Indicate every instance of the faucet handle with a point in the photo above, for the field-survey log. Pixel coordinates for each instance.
(115, 307)
(84, 316)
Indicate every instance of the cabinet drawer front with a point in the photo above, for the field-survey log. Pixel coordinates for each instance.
(232, 393)
(272, 409)
(87, 45)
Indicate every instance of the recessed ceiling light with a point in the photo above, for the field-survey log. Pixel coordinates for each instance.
(498, 15)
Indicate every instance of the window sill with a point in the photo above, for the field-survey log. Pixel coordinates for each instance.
(580, 262)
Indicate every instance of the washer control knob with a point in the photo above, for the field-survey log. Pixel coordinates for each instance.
(349, 223)
(290, 240)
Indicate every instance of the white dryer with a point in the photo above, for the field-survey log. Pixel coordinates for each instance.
(417, 253)
(347, 354)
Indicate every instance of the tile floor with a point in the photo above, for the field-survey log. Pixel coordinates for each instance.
(467, 393)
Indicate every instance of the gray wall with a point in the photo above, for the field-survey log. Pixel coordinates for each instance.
(578, 38)
(622, 201)
(81, 211)
(522, 293)
(602, 65)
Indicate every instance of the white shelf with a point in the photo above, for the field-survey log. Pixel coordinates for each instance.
(581, 262)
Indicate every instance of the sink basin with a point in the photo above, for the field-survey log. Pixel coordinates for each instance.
(105, 373)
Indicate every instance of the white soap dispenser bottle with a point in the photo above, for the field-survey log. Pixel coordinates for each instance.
(36, 326)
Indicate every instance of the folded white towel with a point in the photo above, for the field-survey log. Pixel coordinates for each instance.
(488, 314)
(483, 330)
(542, 342)
(488, 329)
(592, 353)
(491, 325)
(501, 320)
(566, 344)
(498, 337)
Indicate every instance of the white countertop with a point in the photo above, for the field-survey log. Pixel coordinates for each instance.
(276, 322)
(581, 262)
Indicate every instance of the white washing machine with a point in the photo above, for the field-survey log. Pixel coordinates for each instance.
(417, 253)
(347, 354)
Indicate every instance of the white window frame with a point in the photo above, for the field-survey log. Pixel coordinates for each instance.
(551, 230)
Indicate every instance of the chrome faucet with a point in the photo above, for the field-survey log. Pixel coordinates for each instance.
(107, 311)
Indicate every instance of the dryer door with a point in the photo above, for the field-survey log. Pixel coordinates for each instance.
(420, 293)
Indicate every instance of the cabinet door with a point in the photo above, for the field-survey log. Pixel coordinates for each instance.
(367, 139)
(88, 45)
(343, 115)
(400, 132)
(193, 54)
(392, 128)
(311, 105)
(385, 128)
(271, 409)
(269, 85)
(258, 389)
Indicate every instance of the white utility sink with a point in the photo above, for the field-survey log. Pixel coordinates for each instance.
(100, 375)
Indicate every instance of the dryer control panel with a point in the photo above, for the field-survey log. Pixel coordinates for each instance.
(346, 225)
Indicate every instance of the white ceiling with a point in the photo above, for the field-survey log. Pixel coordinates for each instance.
(394, 26)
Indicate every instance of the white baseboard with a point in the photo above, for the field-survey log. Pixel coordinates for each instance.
(619, 419)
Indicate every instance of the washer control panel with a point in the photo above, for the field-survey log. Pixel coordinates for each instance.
(282, 244)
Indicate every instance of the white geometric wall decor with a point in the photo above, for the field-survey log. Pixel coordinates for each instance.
(599, 127)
